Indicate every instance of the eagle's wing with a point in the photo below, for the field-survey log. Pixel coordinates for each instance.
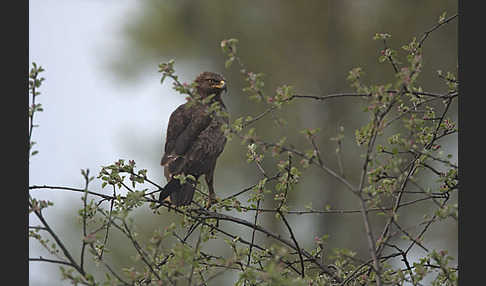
(185, 125)
(178, 121)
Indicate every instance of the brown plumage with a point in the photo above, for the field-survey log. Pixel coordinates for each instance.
(194, 142)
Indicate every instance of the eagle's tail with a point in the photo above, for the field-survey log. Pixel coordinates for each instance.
(180, 195)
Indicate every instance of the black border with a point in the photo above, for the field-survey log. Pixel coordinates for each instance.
(471, 142)
(14, 175)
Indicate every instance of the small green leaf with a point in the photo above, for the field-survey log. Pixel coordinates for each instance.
(442, 17)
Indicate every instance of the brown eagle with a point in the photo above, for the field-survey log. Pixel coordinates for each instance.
(194, 142)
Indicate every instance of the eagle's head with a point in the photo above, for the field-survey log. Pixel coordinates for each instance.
(210, 83)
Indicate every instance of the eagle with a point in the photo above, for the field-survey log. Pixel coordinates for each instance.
(194, 142)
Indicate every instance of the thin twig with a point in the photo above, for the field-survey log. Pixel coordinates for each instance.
(367, 225)
(194, 259)
(109, 223)
(249, 188)
(331, 96)
(35, 187)
(50, 261)
(253, 233)
(295, 241)
(66, 253)
(85, 198)
(431, 143)
(426, 34)
(137, 246)
(356, 211)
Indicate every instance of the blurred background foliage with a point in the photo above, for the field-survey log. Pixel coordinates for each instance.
(310, 45)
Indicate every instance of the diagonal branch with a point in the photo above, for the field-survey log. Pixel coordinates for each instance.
(426, 34)
(66, 253)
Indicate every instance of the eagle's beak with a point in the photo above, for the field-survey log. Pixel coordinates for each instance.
(221, 85)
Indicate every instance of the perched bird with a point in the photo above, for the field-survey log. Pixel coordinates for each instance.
(194, 142)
